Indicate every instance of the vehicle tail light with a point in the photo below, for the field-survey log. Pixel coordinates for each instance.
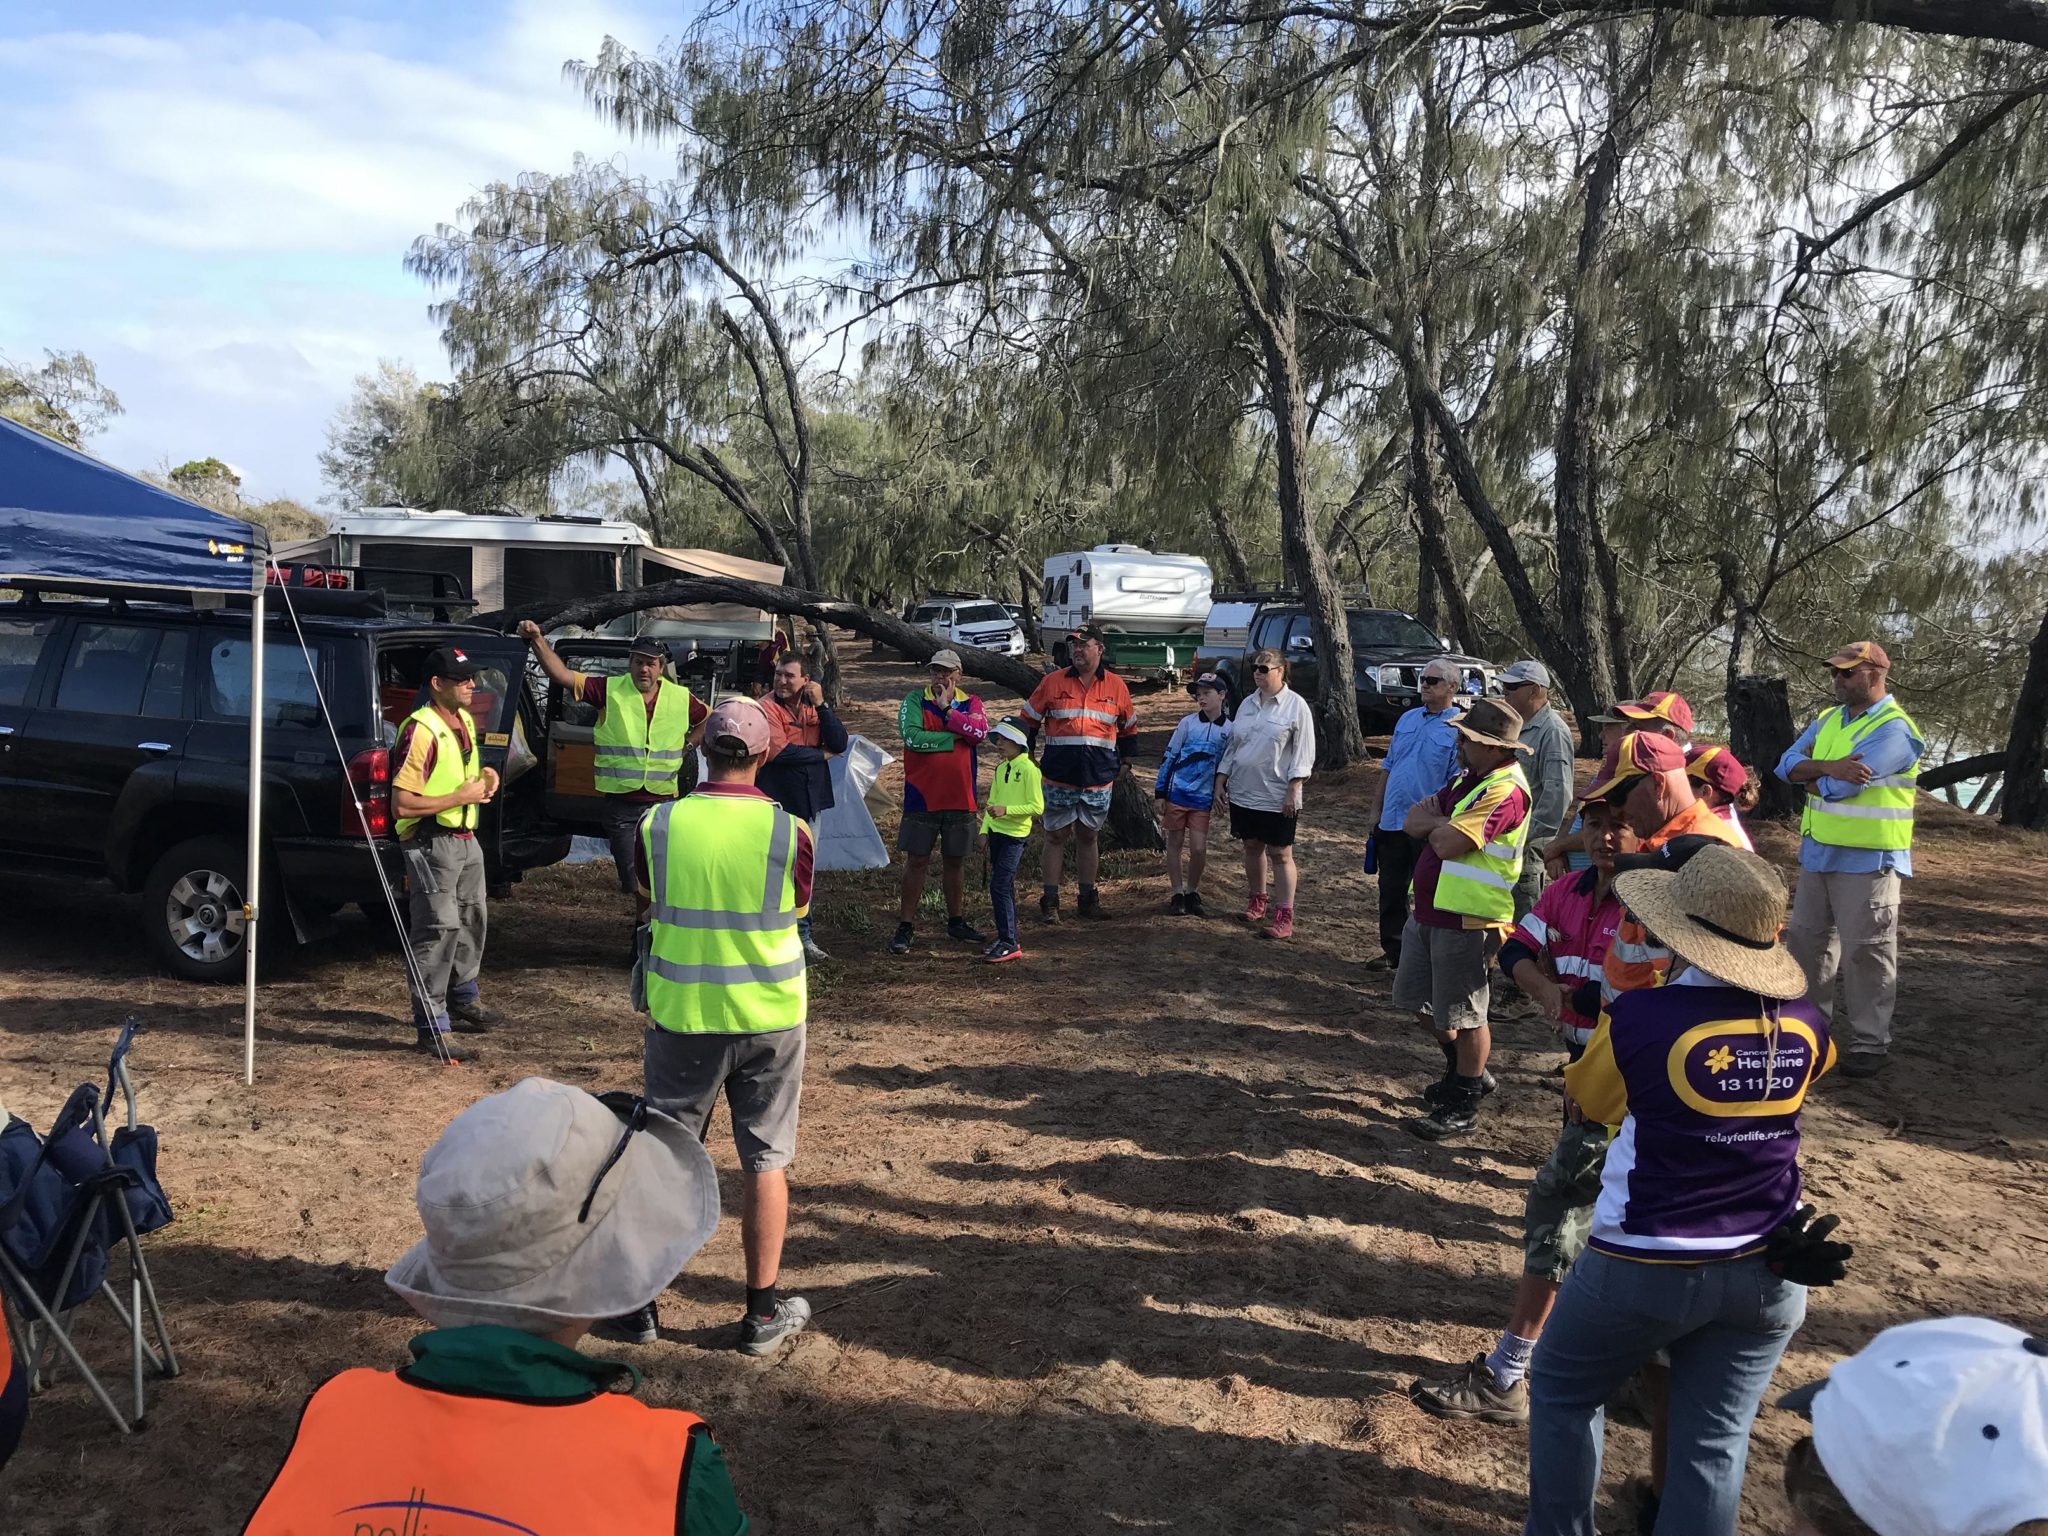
(368, 811)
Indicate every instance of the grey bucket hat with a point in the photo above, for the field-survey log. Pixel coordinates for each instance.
(500, 1195)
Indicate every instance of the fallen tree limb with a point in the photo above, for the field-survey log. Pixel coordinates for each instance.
(1962, 768)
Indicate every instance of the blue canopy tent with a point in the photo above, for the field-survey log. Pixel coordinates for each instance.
(70, 523)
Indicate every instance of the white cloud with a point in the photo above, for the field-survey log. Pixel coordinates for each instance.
(219, 214)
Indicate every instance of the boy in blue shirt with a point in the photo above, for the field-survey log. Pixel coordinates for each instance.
(1187, 786)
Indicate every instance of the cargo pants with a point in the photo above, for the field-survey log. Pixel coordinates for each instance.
(444, 879)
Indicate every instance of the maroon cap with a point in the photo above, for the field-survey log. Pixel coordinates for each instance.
(737, 728)
(1635, 755)
(1858, 652)
(1669, 707)
(1717, 768)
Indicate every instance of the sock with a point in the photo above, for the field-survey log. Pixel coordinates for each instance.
(1509, 1361)
(1450, 1050)
(761, 1303)
(1052, 893)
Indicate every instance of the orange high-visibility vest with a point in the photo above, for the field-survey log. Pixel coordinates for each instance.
(377, 1456)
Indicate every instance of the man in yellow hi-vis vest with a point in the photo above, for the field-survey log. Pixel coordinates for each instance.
(720, 974)
(645, 723)
(1860, 764)
(1472, 833)
(437, 788)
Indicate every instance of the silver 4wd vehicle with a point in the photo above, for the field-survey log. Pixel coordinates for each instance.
(969, 619)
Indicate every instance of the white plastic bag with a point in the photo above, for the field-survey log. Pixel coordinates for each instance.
(846, 835)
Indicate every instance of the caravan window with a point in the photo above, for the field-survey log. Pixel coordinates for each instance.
(1168, 586)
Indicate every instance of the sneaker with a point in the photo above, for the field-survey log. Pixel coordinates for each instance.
(1282, 926)
(1001, 950)
(1255, 908)
(471, 1017)
(959, 928)
(814, 951)
(636, 1327)
(1472, 1395)
(1451, 1116)
(445, 1050)
(1434, 1093)
(1383, 963)
(1048, 909)
(762, 1335)
(1865, 1063)
(1089, 904)
(900, 945)
(1178, 906)
(1194, 905)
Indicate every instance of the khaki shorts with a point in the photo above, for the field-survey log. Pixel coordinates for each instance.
(1557, 1217)
(1183, 818)
(1444, 968)
(762, 1077)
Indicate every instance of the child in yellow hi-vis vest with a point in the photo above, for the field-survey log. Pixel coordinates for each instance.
(1015, 796)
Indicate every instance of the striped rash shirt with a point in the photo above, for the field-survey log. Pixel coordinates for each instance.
(1569, 929)
(1633, 962)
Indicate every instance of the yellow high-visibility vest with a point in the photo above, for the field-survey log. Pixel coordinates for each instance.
(1482, 883)
(724, 956)
(452, 768)
(634, 752)
(1880, 814)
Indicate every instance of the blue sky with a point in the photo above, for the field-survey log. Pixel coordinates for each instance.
(215, 203)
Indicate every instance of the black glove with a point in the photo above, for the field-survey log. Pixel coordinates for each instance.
(1799, 1250)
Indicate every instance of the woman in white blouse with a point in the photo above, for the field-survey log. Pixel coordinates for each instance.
(1271, 753)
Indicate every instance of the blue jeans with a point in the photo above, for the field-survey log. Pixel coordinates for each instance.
(1725, 1325)
(1004, 855)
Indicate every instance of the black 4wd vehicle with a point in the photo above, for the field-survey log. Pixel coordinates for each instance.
(124, 752)
(1389, 649)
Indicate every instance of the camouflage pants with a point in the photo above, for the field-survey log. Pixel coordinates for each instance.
(1558, 1215)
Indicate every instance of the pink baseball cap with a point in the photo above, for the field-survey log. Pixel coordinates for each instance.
(737, 727)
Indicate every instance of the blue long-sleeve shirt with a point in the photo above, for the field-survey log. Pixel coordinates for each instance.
(1890, 749)
(1187, 776)
(1421, 759)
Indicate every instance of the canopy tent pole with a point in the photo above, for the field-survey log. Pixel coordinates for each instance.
(252, 879)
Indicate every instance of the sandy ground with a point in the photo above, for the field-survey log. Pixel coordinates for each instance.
(1124, 1237)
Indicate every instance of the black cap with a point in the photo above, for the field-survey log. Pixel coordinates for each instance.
(648, 645)
(451, 664)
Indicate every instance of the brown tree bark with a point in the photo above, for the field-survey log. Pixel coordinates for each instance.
(1434, 544)
(1759, 731)
(2026, 752)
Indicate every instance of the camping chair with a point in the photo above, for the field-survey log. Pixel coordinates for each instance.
(71, 1199)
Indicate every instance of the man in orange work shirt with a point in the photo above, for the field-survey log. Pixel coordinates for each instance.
(1084, 713)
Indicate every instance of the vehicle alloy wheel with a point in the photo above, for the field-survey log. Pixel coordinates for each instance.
(193, 908)
(204, 915)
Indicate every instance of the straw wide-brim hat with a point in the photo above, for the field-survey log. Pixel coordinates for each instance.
(1721, 911)
(499, 1195)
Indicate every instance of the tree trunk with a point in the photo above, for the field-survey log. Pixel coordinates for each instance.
(1232, 546)
(1954, 772)
(1437, 572)
(1339, 741)
(1759, 731)
(2026, 795)
(1133, 820)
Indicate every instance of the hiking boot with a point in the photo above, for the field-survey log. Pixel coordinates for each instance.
(1194, 905)
(1434, 1093)
(1472, 1395)
(1255, 908)
(814, 951)
(441, 1047)
(1453, 1115)
(959, 928)
(636, 1327)
(1001, 950)
(1385, 962)
(763, 1335)
(900, 945)
(1282, 926)
(1865, 1063)
(1048, 908)
(1178, 906)
(1089, 904)
(471, 1017)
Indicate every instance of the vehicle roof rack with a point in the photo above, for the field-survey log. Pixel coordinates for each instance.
(978, 597)
(374, 591)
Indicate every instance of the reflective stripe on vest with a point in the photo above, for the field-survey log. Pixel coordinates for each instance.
(1880, 814)
(634, 752)
(451, 770)
(1482, 883)
(724, 955)
(379, 1454)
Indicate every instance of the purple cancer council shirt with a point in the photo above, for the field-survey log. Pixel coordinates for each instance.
(1707, 1163)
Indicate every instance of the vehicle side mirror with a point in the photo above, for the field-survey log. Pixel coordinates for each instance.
(1301, 645)
(1442, 643)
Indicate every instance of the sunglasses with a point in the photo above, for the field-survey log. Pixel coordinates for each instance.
(1262, 671)
(1849, 671)
(1439, 682)
(631, 1110)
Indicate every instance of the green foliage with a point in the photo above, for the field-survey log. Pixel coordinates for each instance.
(63, 399)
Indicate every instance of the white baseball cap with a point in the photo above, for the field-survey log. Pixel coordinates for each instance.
(1938, 1428)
